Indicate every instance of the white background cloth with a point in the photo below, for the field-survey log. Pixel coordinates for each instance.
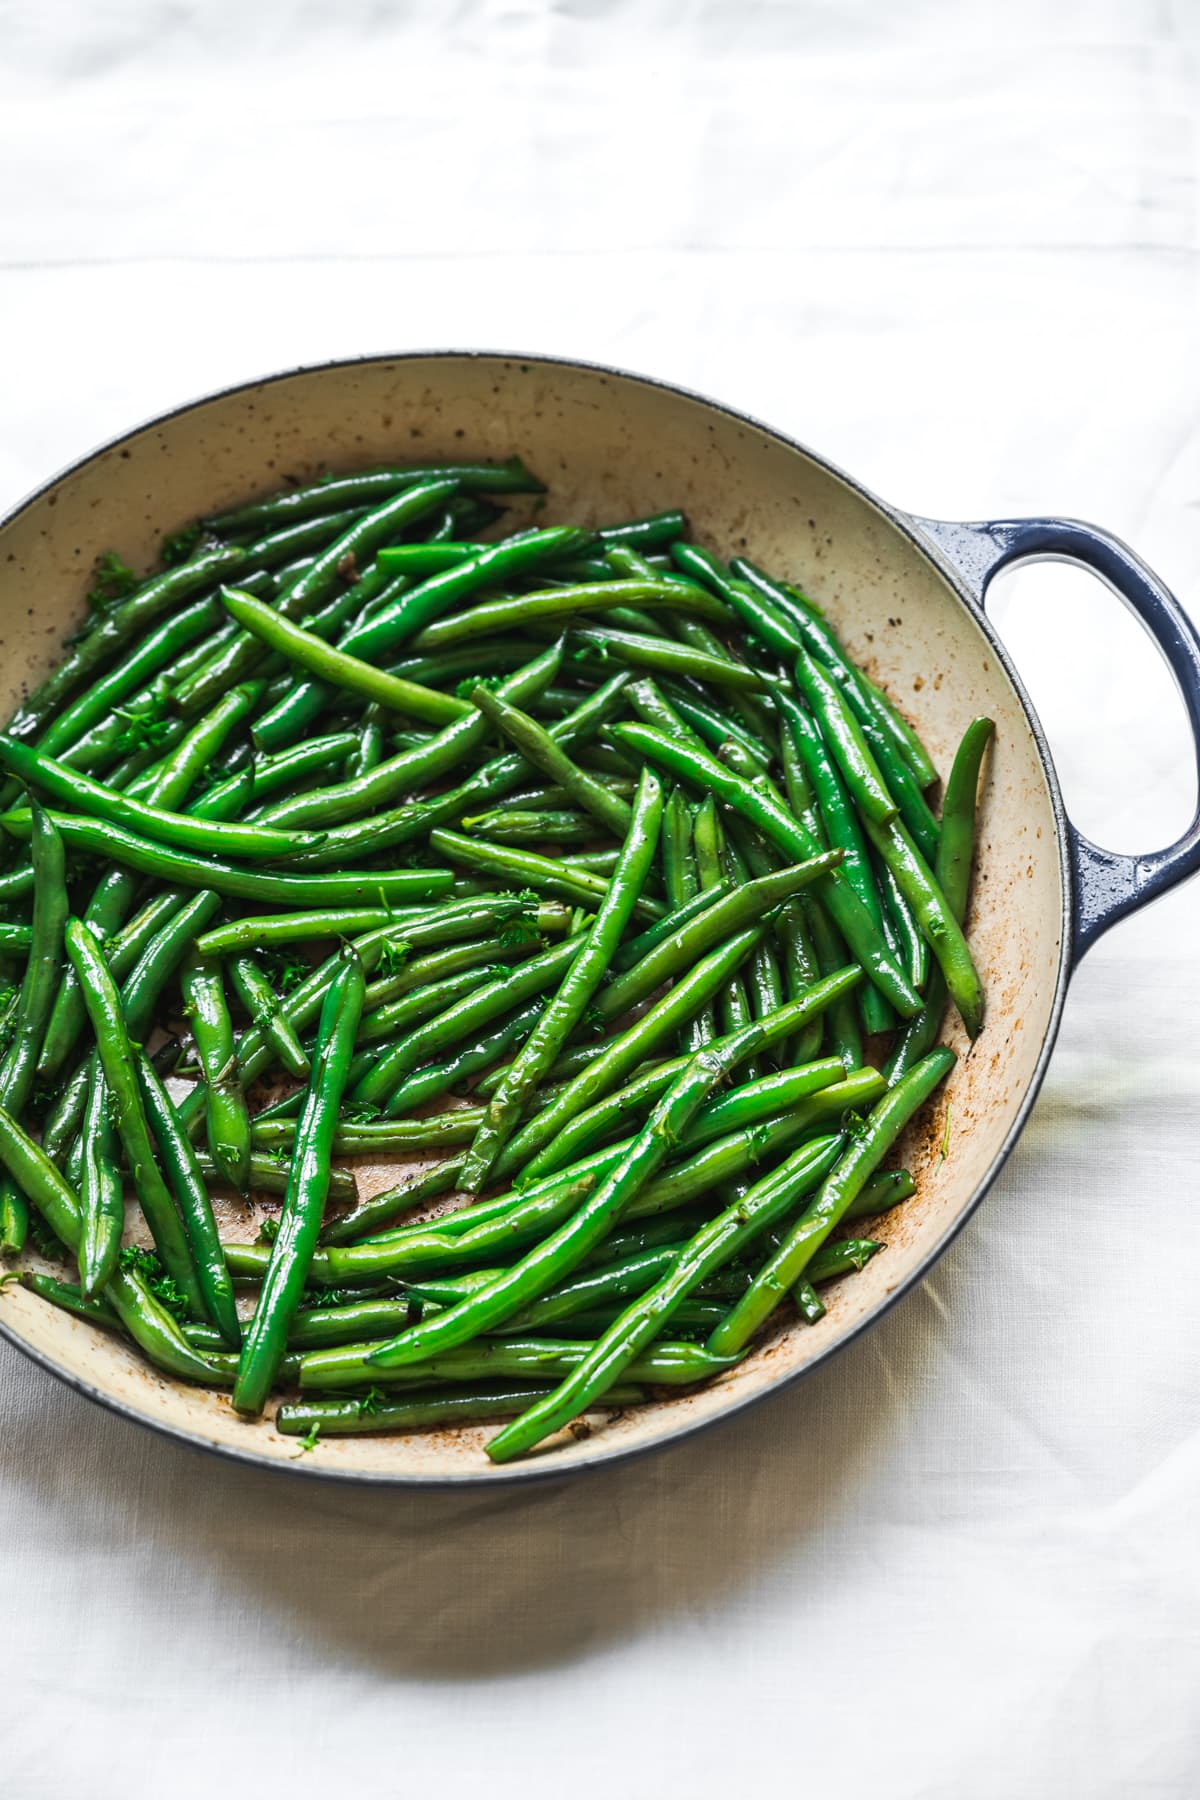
(953, 246)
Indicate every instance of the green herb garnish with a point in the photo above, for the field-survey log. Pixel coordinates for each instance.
(112, 580)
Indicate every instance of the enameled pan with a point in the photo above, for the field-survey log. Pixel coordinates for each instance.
(908, 596)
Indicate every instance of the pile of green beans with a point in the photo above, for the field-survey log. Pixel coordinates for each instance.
(549, 933)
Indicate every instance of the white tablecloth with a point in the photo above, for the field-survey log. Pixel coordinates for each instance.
(952, 245)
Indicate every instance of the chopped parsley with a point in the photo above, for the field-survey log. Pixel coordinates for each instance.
(164, 1287)
(112, 580)
(178, 546)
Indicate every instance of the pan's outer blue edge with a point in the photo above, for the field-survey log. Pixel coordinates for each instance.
(958, 581)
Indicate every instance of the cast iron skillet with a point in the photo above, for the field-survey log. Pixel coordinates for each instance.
(908, 594)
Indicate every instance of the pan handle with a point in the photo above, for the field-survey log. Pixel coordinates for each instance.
(1107, 885)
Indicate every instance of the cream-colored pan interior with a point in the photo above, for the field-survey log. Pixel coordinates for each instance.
(609, 446)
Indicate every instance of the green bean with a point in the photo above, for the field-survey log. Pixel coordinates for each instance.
(801, 796)
(470, 660)
(297, 927)
(809, 1303)
(738, 907)
(172, 778)
(953, 872)
(630, 1334)
(370, 487)
(672, 659)
(380, 1137)
(679, 874)
(178, 830)
(595, 862)
(574, 995)
(384, 830)
(878, 716)
(70, 1298)
(717, 731)
(40, 1182)
(270, 773)
(545, 874)
(847, 1256)
(490, 564)
(800, 970)
(557, 1255)
(416, 561)
(66, 1114)
(413, 770)
(764, 981)
(556, 603)
(912, 950)
(935, 917)
(187, 1184)
(593, 1290)
(653, 708)
(903, 735)
(33, 1007)
(369, 753)
(308, 585)
(498, 776)
(881, 1192)
(117, 1060)
(345, 889)
(14, 937)
(14, 1218)
(635, 948)
(539, 748)
(227, 1120)
(523, 829)
(843, 737)
(336, 667)
(845, 1038)
(352, 1417)
(308, 1187)
(785, 1267)
(595, 1121)
(954, 860)
(646, 533)
(162, 954)
(359, 1365)
(842, 829)
(760, 803)
(733, 1003)
(368, 1216)
(438, 1078)
(101, 1192)
(752, 709)
(259, 999)
(43, 968)
(268, 1176)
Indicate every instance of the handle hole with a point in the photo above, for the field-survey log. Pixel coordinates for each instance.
(1108, 702)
